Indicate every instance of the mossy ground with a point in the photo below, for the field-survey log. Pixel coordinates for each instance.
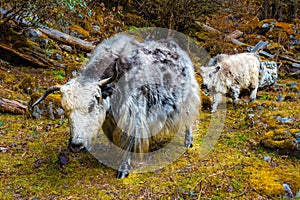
(235, 169)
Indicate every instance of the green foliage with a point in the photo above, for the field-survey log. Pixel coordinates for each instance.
(60, 75)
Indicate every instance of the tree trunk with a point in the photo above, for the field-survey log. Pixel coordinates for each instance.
(281, 10)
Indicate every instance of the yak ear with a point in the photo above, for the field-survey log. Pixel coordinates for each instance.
(217, 69)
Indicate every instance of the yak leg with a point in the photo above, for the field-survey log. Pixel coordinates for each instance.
(217, 98)
(124, 168)
(235, 94)
(188, 140)
(253, 94)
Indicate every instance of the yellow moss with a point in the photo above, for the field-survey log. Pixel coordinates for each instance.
(250, 25)
(279, 139)
(31, 43)
(10, 78)
(271, 122)
(80, 30)
(266, 180)
(286, 27)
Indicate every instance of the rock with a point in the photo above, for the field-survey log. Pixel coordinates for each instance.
(289, 194)
(279, 97)
(36, 36)
(66, 48)
(284, 120)
(283, 140)
(268, 73)
(57, 56)
(267, 158)
(49, 108)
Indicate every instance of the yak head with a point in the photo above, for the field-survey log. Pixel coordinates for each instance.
(208, 76)
(86, 110)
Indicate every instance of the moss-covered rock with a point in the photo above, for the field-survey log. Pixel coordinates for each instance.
(286, 141)
(49, 108)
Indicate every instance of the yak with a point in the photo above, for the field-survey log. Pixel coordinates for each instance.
(231, 73)
(134, 92)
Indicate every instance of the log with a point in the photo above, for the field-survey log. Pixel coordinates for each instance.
(17, 107)
(27, 58)
(32, 57)
(67, 39)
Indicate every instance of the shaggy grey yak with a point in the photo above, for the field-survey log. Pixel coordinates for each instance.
(136, 93)
(231, 73)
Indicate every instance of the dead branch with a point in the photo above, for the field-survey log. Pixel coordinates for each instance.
(17, 107)
(67, 39)
(27, 58)
(289, 59)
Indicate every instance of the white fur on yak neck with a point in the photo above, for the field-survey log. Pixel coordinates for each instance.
(82, 103)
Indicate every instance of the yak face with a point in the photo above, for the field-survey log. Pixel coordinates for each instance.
(84, 107)
(208, 76)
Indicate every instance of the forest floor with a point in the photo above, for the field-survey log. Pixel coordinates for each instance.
(35, 162)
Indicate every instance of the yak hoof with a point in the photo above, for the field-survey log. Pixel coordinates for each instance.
(190, 145)
(121, 174)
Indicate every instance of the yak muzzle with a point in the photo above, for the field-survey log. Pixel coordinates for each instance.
(204, 86)
(76, 147)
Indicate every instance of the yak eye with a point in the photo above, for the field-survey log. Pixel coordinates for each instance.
(91, 106)
(93, 103)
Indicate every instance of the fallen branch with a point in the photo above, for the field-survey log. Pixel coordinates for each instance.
(67, 39)
(27, 58)
(17, 107)
(296, 73)
(289, 59)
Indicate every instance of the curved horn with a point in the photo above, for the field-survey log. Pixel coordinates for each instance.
(46, 93)
(113, 77)
(104, 81)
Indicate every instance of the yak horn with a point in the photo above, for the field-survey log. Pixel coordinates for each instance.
(46, 93)
(104, 81)
(113, 77)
